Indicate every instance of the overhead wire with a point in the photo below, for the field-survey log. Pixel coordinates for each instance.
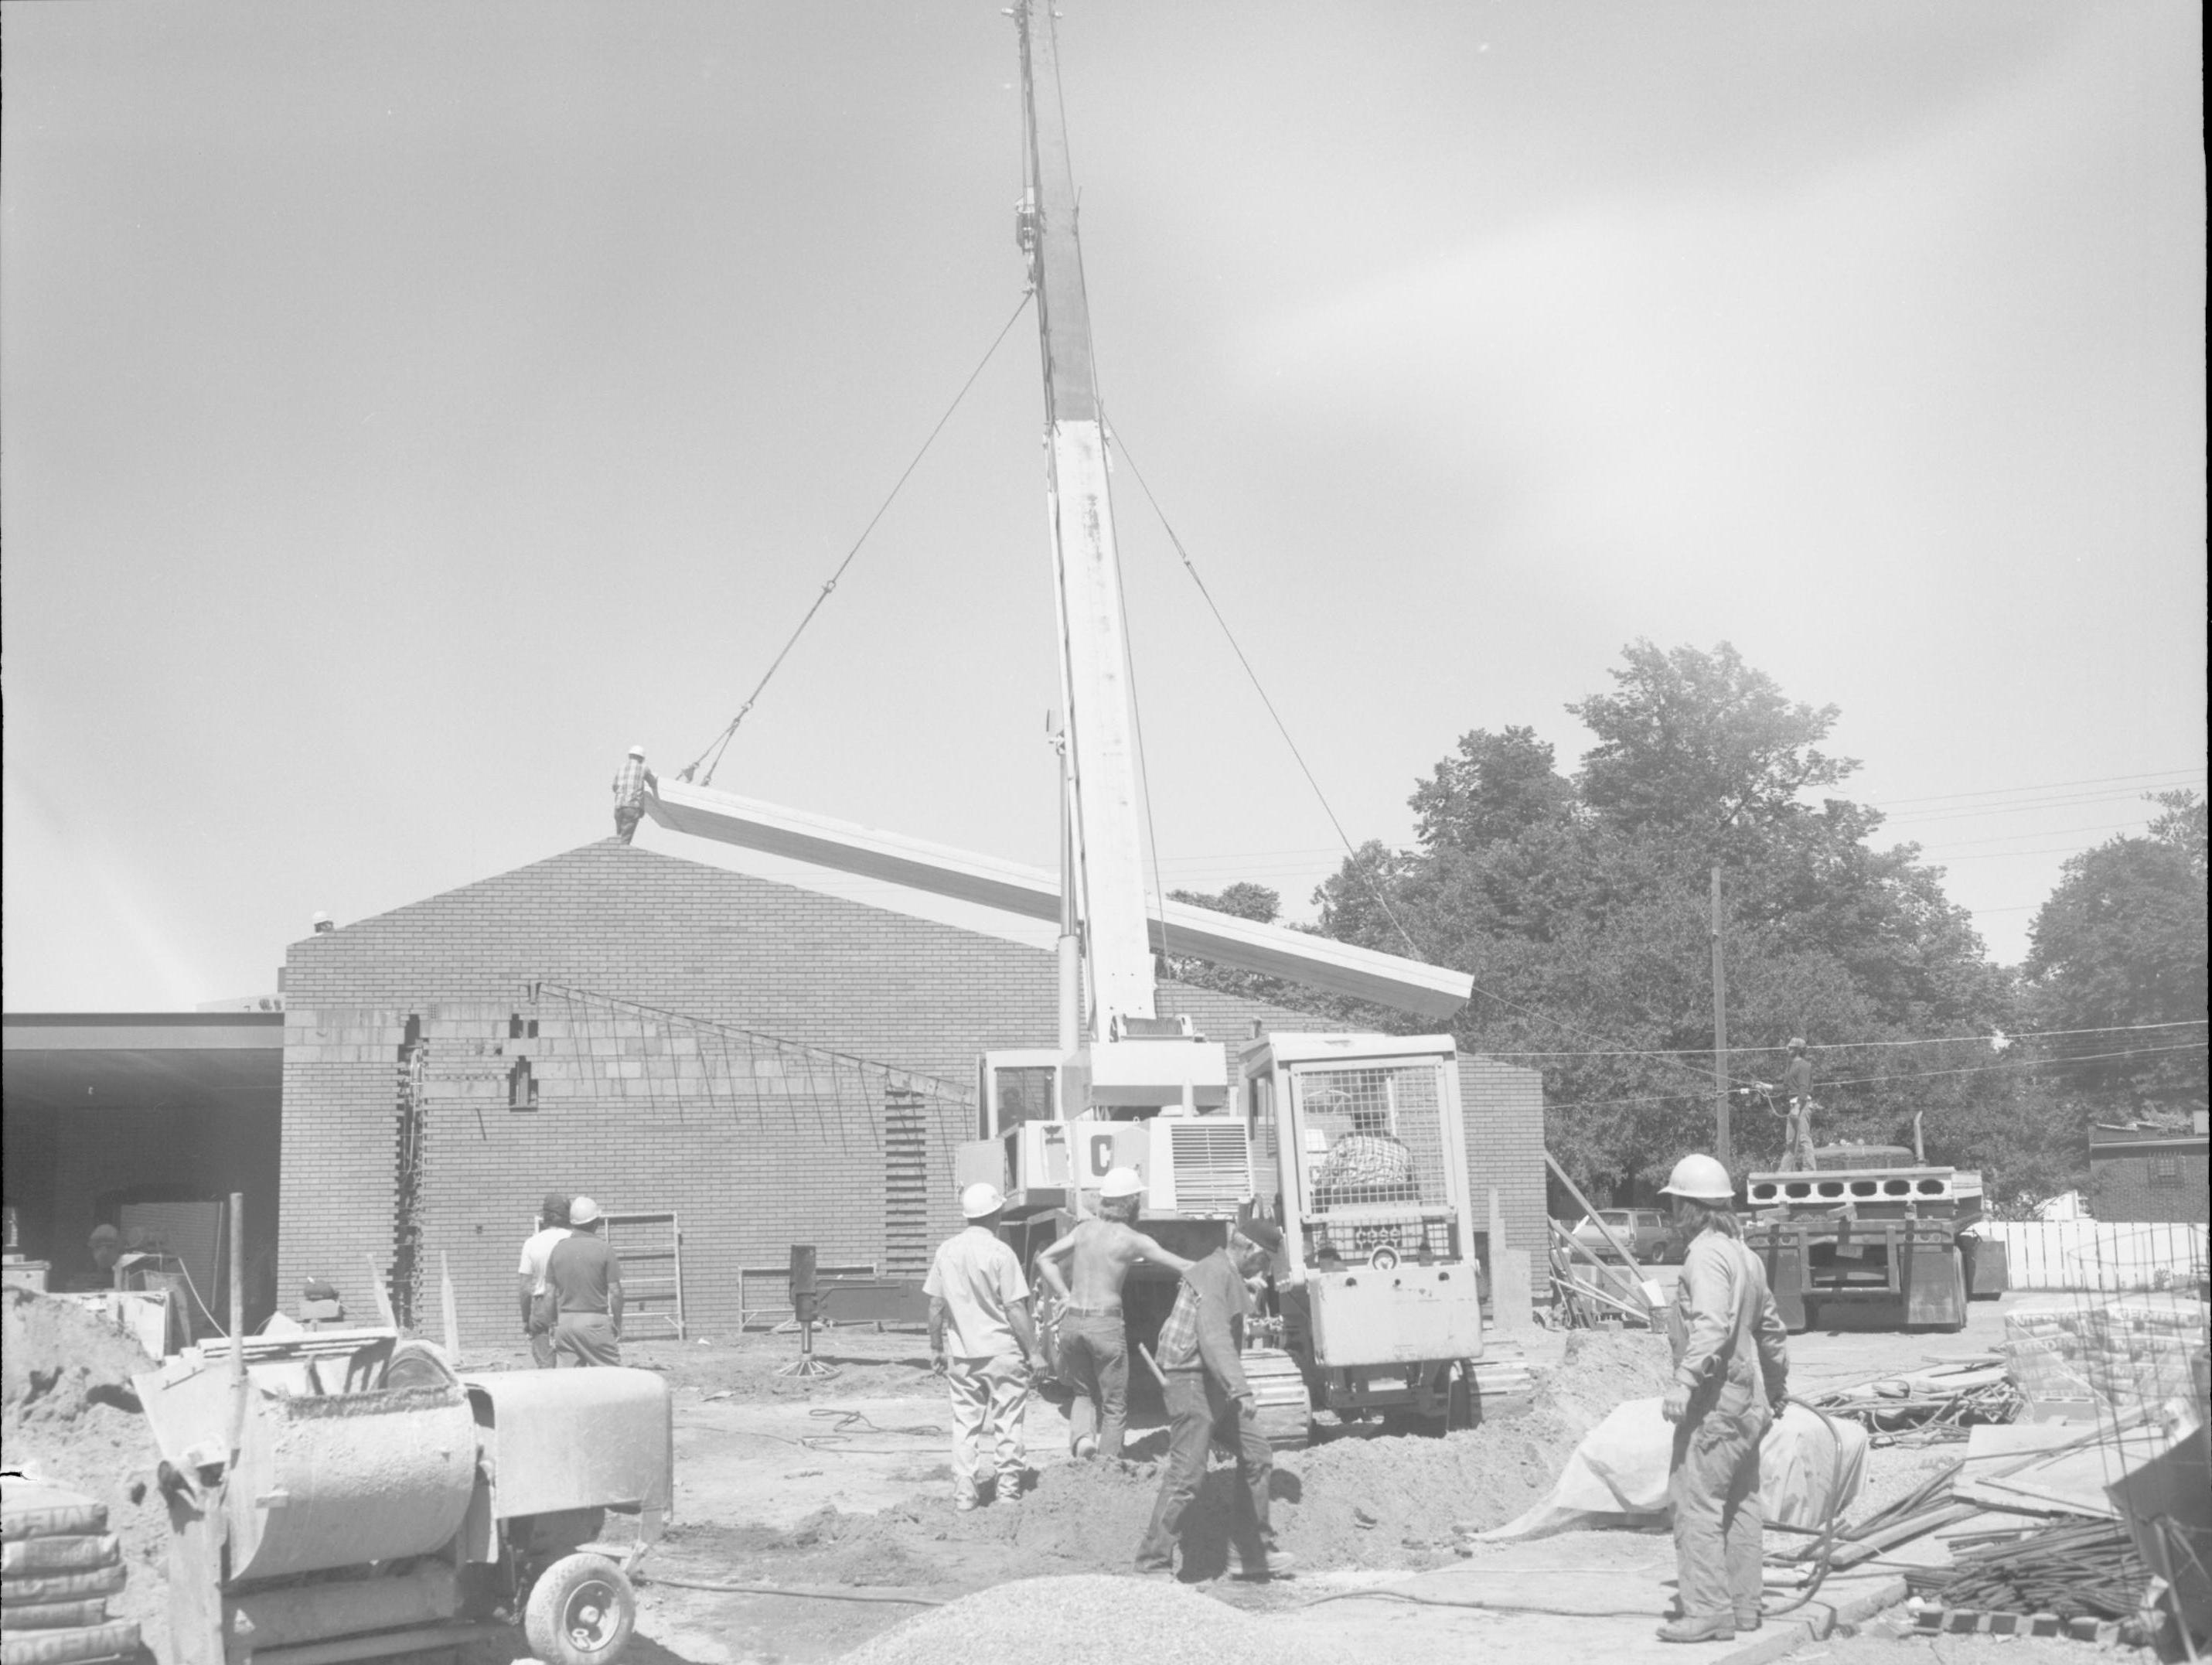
(721, 743)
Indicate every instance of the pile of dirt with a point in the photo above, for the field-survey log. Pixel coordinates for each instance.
(69, 1415)
(1108, 1621)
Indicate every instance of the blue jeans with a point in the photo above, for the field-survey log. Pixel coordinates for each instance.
(1196, 1407)
(1094, 1356)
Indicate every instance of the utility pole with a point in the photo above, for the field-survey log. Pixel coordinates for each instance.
(1727, 1152)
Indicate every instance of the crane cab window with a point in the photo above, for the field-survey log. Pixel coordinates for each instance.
(1023, 1093)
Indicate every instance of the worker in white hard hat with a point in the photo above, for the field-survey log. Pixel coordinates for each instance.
(632, 781)
(1084, 1270)
(584, 1277)
(1797, 1088)
(976, 1287)
(323, 924)
(1731, 1372)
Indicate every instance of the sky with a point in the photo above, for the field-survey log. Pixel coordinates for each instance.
(406, 407)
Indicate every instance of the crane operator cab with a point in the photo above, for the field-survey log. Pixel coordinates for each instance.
(1153, 1096)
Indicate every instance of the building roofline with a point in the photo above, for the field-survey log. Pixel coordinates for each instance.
(140, 1031)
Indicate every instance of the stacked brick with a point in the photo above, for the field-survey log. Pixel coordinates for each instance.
(58, 1565)
(669, 1036)
(2122, 1355)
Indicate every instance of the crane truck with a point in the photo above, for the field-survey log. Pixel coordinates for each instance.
(1354, 1145)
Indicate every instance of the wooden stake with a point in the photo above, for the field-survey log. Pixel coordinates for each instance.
(446, 1308)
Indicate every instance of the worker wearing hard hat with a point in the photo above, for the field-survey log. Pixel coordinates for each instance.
(1797, 1087)
(583, 1275)
(1208, 1397)
(1085, 1271)
(632, 781)
(540, 1316)
(975, 1286)
(1731, 1368)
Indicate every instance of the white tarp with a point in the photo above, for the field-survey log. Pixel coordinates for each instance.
(1618, 1474)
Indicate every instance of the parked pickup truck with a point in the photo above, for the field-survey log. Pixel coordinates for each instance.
(1645, 1230)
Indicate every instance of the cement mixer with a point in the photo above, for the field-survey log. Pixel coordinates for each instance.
(344, 1494)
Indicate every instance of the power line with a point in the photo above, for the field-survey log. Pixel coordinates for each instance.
(1849, 1046)
(721, 743)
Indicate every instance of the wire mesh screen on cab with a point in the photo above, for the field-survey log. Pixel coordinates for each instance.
(1375, 1162)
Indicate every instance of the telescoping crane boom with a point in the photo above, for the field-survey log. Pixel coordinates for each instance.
(1352, 1145)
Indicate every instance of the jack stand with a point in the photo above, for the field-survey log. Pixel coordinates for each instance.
(807, 1364)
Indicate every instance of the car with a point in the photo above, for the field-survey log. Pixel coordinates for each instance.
(1646, 1232)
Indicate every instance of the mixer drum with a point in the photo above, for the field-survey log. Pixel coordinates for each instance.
(358, 1477)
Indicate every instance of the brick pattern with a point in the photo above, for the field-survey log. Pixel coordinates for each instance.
(685, 1020)
(2146, 1185)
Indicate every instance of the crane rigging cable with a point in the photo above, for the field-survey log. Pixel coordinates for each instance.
(721, 743)
(1253, 676)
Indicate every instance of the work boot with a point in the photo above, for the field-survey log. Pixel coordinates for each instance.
(965, 1503)
(1087, 1448)
(1714, 1627)
(1749, 1618)
(1277, 1564)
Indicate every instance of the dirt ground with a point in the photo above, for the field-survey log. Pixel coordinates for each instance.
(840, 1485)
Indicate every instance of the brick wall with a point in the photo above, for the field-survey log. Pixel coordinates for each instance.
(661, 983)
(2150, 1185)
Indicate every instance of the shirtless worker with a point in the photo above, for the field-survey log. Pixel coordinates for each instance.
(1094, 1347)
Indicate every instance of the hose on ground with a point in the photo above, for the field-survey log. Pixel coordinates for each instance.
(806, 1592)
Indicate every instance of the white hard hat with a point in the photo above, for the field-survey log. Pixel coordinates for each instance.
(1700, 1177)
(1796, 1042)
(582, 1211)
(980, 1199)
(320, 918)
(1122, 1182)
(637, 751)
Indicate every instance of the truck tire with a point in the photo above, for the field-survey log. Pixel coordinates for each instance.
(581, 1612)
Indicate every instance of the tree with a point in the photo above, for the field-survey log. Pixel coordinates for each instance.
(2119, 945)
(1583, 909)
(1700, 741)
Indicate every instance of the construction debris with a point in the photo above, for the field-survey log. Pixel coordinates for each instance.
(2054, 1578)
(1930, 1407)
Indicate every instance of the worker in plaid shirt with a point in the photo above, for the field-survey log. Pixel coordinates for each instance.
(632, 781)
(1206, 1393)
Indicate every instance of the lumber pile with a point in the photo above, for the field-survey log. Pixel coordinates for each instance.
(1927, 1407)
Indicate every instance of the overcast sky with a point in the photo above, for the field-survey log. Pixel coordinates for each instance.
(406, 407)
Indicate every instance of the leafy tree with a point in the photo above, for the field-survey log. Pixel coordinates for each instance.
(1498, 787)
(1697, 740)
(2122, 943)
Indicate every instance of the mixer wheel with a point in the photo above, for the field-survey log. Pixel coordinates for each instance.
(581, 1612)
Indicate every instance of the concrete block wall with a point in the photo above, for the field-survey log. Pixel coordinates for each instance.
(659, 979)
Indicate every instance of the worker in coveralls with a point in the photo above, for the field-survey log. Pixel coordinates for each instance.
(585, 1277)
(539, 1314)
(1797, 1087)
(975, 1284)
(1207, 1396)
(1731, 1368)
(632, 781)
(1094, 1345)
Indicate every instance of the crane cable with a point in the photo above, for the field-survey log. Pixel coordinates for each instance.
(721, 743)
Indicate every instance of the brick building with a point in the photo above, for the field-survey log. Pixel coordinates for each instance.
(765, 1063)
(2143, 1173)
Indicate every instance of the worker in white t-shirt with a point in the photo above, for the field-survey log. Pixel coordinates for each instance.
(975, 1284)
(537, 1317)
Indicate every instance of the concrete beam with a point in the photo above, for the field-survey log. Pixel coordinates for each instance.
(1404, 985)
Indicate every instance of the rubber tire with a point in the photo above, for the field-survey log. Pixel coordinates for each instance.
(544, 1617)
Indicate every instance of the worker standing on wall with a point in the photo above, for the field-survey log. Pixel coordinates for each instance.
(539, 1314)
(585, 1278)
(1207, 1395)
(1797, 1087)
(977, 1286)
(1093, 1343)
(632, 781)
(1731, 1370)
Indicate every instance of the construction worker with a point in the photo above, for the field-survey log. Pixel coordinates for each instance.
(977, 1286)
(540, 1317)
(1208, 1397)
(632, 781)
(584, 1278)
(1094, 1346)
(1797, 1088)
(1731, 1370)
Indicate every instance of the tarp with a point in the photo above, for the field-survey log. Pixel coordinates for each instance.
(1617, 1476)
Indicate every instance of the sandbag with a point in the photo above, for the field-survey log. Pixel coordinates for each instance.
(1617, 1476)
(112, 1640)
(64, 1586)
(39, 1509)
(59, 1554)
(16, 1615)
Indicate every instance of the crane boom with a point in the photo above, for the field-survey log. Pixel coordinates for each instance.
(1107, 853)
